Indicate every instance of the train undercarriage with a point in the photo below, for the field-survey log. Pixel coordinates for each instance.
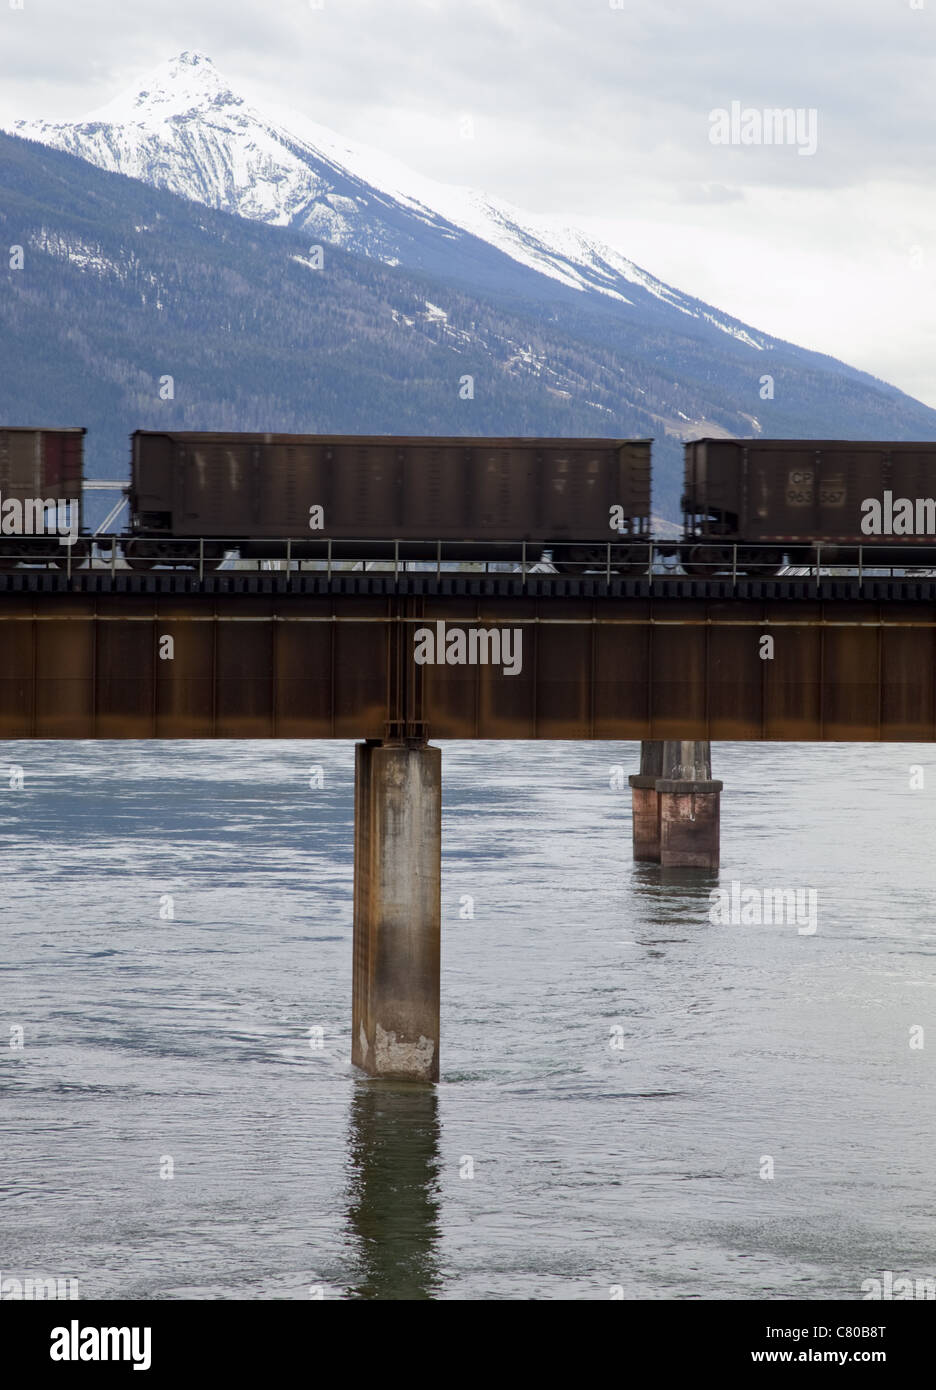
(707, 558)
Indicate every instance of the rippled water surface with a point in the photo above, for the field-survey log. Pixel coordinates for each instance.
(617, 1068)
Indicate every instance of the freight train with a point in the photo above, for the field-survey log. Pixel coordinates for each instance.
(749, 506)
(377, 497)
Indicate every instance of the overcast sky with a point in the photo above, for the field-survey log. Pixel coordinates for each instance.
(602, 115)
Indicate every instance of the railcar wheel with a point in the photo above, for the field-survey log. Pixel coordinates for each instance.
(705, 561)
(143, 554)
(140, 555)
(624, 560)
(630, 559)
(79, 553)
(47, 552)
(754, 564)
(211, 560)
(576, 559)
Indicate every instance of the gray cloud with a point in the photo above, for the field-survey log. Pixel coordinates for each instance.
(574, 87)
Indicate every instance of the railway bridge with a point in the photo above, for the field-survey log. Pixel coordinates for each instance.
(397, 658)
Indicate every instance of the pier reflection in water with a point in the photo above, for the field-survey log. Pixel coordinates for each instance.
(393, 1197)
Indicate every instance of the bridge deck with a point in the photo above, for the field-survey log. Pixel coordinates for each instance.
(374, 582)
(305, 655)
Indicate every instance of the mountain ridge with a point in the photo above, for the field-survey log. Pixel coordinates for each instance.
(185, 128)
(126, 280)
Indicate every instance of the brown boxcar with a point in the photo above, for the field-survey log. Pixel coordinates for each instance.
(788, 495)
(39, 464)
(411, 492)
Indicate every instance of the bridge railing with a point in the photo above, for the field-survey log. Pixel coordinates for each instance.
(654, 560)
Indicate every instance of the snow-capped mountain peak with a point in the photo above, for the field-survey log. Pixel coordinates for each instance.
(188, 83)
(184, 128)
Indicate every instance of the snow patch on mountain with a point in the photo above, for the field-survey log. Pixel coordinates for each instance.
(81, 254)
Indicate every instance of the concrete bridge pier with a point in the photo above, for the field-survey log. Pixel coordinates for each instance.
(397, 909)
(645, 801)
(676, 805)
(690, 806)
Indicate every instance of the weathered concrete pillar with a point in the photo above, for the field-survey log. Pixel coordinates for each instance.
(397, 909)
(645, 801)
(690, 804)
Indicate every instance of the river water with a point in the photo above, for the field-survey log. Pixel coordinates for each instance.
(634, 1098)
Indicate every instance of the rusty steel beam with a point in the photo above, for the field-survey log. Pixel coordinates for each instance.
(78, 665)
